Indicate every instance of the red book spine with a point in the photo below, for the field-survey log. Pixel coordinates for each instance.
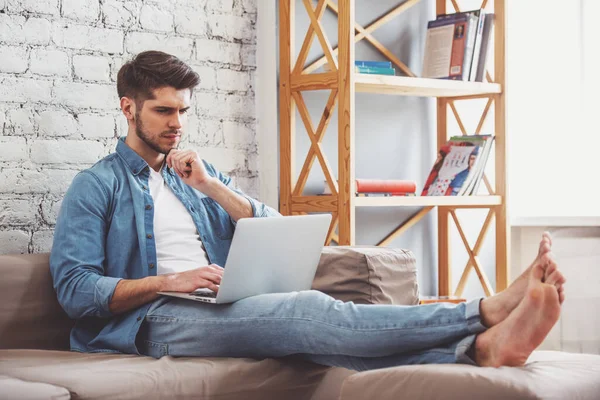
(385, 185)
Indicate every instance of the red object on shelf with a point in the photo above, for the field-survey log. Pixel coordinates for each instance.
(385, 185)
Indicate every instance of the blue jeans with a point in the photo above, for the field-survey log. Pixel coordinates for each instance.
(312, 326)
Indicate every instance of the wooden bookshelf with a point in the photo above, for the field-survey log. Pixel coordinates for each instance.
(407, 86)
(343, 84)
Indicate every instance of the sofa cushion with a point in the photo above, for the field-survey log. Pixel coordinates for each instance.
(547, 375)
(368, 275)
(30, 316)
(133, 377)
(13, 388)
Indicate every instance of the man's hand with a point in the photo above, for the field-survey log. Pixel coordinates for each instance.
(199, 278)
(190, 168)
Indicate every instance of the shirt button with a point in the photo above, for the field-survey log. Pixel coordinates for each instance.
(149, 236)
(144, 187)
(148, 207)
(151, 265)
(139, 318)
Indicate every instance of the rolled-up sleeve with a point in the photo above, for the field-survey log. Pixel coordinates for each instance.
(259, 210)
(78, 255)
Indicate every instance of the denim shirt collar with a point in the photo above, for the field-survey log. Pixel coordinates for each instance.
(133, 160)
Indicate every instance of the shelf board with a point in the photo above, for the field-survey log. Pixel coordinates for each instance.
(407, 86)
(425, 201)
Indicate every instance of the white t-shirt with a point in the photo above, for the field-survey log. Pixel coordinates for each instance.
(178, 244)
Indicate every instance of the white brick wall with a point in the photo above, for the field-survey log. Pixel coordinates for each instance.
(59, 108)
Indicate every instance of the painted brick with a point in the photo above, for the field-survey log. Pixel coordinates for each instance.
(81, 10)
(86, 95)
(50, 209)
(14, 242)
(13, 148)
(237, 135)
(223, 6)
(88, 38)
(22, 90)
(231, 27)
(50, 62)
(26, 181)
(191, 21)
(222, 105)
(233, 80)
(17, 212)
(35, 6)
(207, 76)
(156, 18)
(205, 132)
(225, 160)
(218, 51)
(91, 68)
(136, 42)
(57, 123)
(97, 126)
(19, 121)
(2, 121)
(42, 241)
(14, 59)
(248, 55)
(15, 29)
(66, 151)
(249, 6)
(119, 14)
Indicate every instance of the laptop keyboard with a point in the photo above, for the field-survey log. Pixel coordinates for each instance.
(204, 294)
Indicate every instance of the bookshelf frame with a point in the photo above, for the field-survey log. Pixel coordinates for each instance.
(295, 78)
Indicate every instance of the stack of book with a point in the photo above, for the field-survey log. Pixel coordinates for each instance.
(460, 165)
(385, 187)
(456, 46)
(370, 67)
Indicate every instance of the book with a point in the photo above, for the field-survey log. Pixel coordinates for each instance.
(456, 166)
(481, 142)
(375, 70)
(385, 185)
(384, 194)
(477, 46)
(481, 168)
(378, 64)
(452, 46)
(445, 47)
(367, 70)
(485, 45)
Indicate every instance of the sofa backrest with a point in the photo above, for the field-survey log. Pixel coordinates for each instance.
(30, 316)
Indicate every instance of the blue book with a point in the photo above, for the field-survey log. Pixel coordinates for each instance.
(376, 64)
(375, 70)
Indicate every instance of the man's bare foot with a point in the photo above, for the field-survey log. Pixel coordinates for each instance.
(496, 309)
(511, 341)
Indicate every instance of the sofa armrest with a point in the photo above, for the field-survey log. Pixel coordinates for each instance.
(368, 275)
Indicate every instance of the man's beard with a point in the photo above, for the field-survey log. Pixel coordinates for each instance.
(147, 138)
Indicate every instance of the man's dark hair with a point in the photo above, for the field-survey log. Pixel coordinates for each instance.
(151, 70)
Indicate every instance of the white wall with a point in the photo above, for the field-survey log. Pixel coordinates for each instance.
(59, 107)
(554, 139)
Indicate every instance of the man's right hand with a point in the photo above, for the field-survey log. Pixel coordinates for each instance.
(199, 278)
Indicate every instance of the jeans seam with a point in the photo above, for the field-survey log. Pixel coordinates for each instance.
(171, 319)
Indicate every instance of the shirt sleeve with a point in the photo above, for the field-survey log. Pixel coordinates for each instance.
(259, 210)
(78, 254)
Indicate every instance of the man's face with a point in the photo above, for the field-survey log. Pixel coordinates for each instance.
(160, 121)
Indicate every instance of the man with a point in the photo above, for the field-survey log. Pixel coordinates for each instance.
(151, 218)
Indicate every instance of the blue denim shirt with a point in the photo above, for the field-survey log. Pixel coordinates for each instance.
(105, 233)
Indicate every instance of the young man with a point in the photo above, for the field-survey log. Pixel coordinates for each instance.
(151, 217)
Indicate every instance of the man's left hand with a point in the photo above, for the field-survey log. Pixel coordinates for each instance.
(190, 168)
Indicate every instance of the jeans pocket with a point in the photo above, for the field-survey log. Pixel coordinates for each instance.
(153, 349)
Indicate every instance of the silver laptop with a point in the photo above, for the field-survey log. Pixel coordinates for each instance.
(268, 255)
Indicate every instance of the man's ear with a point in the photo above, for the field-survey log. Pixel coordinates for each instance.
(128, 108)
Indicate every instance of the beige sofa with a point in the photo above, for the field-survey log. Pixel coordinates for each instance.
(35, 362)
